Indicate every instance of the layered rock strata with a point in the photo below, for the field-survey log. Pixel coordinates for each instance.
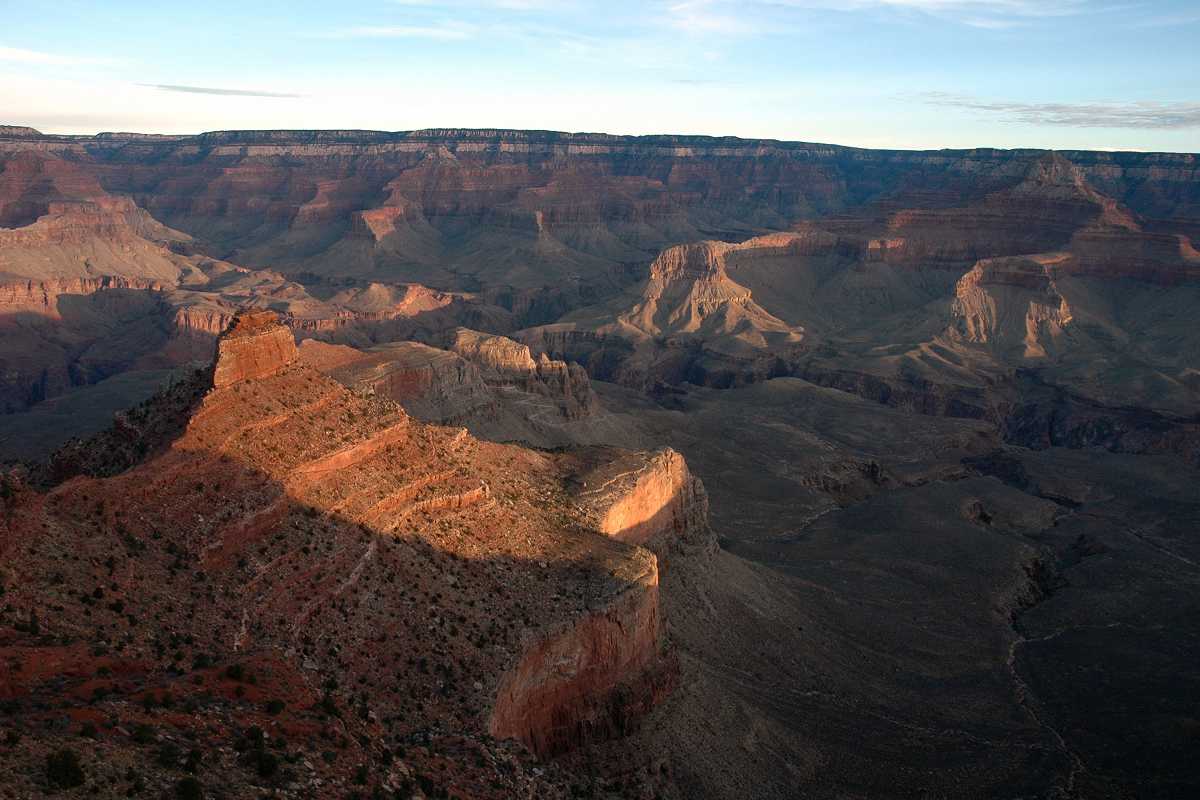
(329, 529)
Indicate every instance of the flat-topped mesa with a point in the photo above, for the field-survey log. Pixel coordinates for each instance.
(18, 130)
(1011, 305)
(1113, 252)
(256, 345)
(697, 260)
(650, 499)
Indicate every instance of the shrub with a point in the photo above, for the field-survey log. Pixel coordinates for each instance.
(63, 770)
(265, 763)
(189, 789)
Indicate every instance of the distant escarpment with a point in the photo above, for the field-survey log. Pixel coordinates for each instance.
(931, 278)
(574, 211)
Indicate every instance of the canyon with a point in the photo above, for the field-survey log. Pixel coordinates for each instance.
(534, 464)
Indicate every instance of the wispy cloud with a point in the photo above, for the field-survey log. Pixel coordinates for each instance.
(444, 32)
(764, 16)
(1144, 115)
(172, 87)
(501, 5)
(1169, 20)
(20, 55)
(711, 16)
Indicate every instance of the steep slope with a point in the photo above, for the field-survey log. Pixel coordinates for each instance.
(428, 582)
(57, 222)
(1011, 304)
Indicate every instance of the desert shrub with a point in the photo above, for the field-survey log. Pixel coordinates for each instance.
(63, 770)
(266, 764)
(189, 789)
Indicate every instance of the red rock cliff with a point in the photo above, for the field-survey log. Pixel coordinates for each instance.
(592, 679)
(255, 346)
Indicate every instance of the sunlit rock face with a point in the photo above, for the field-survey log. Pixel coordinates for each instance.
(255, 346)
(318, 515)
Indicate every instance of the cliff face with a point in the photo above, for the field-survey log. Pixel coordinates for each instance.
(574, 207)
(1011, 303)
(42, 297)
(505, 364)
(57, 335)
(255, 346)
(591, 681)
(432, 384)
(333, 533)
(650, 499)
(58, 222)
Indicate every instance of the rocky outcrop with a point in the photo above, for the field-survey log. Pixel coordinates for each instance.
(341, 537)
(650, 499)
(1111, 252)
(601, 355)
(203, 320)
(1012, 303)
(690, 292)
(504, 363)
(42, 297)
(589, 681)
(255, 346)
(432, 384)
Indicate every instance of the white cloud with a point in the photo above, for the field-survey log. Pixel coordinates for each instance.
(224, 92)
(706, 16)
(1143, 115)
(758, 16)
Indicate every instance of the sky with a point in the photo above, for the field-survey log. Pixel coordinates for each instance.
(1062, 74)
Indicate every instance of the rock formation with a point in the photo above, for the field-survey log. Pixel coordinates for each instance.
(329, 529)
(506, 364)
(945, 404)
(649, 499)
(255, 346)
(1011, 303)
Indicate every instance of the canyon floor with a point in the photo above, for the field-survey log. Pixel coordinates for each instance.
(518, 464)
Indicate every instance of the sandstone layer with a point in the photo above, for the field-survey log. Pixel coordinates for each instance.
(329, 531)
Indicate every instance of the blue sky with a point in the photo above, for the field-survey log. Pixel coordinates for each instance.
(1104, 74)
